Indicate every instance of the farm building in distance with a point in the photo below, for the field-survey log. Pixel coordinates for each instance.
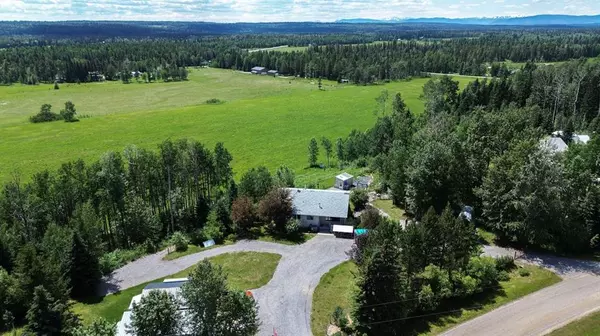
(273, 73)
(320, 208)
(257, 70)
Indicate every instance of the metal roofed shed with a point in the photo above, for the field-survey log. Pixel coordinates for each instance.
(344, 181)
(554, 145)
(258, 70)
(320, 208)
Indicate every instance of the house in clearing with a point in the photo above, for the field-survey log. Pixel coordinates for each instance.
(320, 209)
(257, 70)
(554, 145)
(344, 181)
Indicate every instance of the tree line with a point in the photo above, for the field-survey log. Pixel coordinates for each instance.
(361, 58)
(399, 59)
(482, 147)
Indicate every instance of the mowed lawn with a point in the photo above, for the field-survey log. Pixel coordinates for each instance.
(245, 270)
(265, 121)
(587, 326)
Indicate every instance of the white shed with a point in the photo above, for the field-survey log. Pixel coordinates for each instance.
(344, 181)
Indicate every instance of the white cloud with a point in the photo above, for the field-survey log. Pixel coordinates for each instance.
(278, 10)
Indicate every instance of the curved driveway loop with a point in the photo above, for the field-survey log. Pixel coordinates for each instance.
(284, 303)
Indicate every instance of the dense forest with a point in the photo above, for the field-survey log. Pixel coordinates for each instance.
(332, 55)
(481, 147)
(368, 63)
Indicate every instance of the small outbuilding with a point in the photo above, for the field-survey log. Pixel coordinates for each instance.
(273, 73)
(344, 181)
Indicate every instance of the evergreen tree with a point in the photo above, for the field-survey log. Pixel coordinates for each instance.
(313, 152)
(213, 308)
(48, 316)
(84, 268)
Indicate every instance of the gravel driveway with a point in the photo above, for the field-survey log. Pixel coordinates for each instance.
(545, 310)
(284, 303)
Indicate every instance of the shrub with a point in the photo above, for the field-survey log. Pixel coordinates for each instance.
(215, 101)
(213, 229)
(56, 87)
(505, 263)
(150, 246)
(360, 198)
(45, 115)
(503, 276)
(109, 262)
(292, 227)
(483, 269)
(524, 272)
(180, 241)
(370, 218)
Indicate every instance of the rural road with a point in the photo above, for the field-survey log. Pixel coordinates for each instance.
(545, 310)
(284, 303)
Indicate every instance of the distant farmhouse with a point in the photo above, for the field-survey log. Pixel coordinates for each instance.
(257, 70)
(320, 209)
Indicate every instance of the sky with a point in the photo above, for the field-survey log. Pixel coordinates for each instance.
(282, 10)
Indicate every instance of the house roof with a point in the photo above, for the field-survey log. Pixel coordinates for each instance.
(258, 68)
(323, 203)
(344, 176)
(272, 71)
(581, 138)
(555, 145)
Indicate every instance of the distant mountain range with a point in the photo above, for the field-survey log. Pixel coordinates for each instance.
(536, 20)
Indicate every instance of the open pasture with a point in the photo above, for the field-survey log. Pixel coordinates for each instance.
(264, 120)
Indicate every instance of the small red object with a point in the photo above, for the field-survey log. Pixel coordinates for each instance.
(274, 332)
(249, 294)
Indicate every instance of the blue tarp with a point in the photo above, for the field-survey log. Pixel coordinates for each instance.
(358, 232)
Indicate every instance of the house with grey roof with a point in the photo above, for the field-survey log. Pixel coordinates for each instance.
(320, 208)
(554, 145)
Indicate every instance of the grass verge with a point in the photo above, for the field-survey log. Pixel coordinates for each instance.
(587, 326)
(245, 270)
(486, 237)
(192, 249)
(511, 290)
(388, 207)
(336, 286)
(335, 289)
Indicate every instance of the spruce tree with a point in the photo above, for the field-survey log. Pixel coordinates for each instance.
(85, 270)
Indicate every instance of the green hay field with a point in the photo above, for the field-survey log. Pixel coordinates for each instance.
(264, 120)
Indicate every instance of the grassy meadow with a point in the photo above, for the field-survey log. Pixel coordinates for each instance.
(264, 120)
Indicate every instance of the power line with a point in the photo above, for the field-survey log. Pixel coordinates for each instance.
(425, 315)
(416, 298)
